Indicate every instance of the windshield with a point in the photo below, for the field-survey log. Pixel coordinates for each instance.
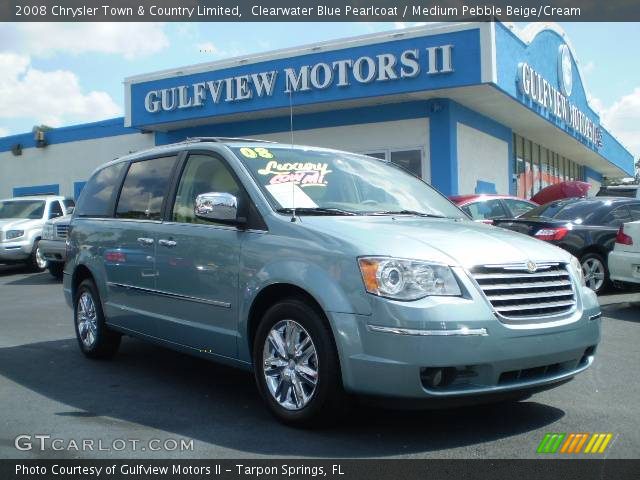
(575, 211)
(338, 183)
(22, 209)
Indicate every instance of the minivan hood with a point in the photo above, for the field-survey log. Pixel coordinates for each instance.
(463, 243)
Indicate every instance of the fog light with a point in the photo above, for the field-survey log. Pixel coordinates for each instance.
(437, 377)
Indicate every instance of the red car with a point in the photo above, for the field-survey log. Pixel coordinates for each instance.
(486, 208)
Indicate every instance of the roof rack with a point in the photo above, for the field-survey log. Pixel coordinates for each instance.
(225, 139)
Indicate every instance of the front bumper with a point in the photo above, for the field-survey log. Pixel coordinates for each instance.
(624, 266)
(399, 349)
(11, 251)
(53, 250)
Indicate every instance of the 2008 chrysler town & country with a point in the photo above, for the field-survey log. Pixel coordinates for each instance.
(328, 273)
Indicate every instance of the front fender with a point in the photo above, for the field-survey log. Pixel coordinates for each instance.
(336, 286)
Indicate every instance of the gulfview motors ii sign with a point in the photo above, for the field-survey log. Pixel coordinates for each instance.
(338, 74)
(556, 101)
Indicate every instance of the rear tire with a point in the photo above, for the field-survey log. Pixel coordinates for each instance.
(55, 269)
(299, 391)
(37, 262)
(596, 272)
(95, 339)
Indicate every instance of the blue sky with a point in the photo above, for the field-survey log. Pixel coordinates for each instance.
(74, 71)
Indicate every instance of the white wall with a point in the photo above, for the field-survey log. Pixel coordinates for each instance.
(481, 157)
(65, 163)
(396, 135)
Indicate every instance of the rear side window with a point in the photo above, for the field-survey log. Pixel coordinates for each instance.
(144, 189)
(518, 207)
(96, 199)
(616, 217)
(486, 210)
(634, 210)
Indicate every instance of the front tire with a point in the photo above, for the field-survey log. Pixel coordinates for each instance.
(55, 269)
(296, 364)
(37, 262)
(595, 271)
(94, 337)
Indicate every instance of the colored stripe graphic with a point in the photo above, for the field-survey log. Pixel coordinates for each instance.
(598, 443)
(572, 443)
(550, 443)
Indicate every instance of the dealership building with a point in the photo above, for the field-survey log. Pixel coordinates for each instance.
(469, 107)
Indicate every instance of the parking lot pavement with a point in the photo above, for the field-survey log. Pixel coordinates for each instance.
(146, 392)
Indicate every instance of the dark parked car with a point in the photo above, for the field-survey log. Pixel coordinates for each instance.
(586, 228)
(486, 208)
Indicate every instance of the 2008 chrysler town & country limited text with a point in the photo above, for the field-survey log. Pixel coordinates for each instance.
(327, 273)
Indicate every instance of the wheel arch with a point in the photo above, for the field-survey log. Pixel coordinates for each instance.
(598, 249)
(80, 274)
(269, 296)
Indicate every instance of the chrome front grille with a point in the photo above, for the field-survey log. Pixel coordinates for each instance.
(62, 231)
(517, 293)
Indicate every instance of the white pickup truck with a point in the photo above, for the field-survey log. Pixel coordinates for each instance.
(624, 260)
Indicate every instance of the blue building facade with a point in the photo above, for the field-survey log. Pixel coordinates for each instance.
(469, 107)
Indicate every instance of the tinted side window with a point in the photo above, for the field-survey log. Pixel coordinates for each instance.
(67, 202)
(202, 174)
(634, 209)
(616, 217)
(55, 210)
(518, 207)
(144, 189)
(486, 210)
(97, 195)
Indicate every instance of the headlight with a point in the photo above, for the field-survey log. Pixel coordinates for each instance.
(407, 279)
(14, 234)
(577, 268)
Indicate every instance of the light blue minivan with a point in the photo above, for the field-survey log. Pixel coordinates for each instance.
(327, 273)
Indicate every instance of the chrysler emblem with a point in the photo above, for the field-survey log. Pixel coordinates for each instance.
(532, 267)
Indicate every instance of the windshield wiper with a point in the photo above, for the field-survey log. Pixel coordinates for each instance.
(407, 212)
(316, 211)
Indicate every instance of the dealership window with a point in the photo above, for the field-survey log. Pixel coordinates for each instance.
(537, 167)
(409, 159)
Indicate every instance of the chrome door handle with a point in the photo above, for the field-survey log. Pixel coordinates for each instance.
(167, 243)
(145, 241)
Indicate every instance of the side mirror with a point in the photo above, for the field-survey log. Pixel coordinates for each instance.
(218, 207)
(70, 210)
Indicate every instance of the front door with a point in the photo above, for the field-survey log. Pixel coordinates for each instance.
(197, 262)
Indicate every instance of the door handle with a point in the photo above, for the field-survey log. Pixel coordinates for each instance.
(167, 243)
(145, 241)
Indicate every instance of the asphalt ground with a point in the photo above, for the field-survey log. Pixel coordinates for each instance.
(151, 398)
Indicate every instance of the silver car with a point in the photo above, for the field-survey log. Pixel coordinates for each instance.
(21, 222)
(53, 244)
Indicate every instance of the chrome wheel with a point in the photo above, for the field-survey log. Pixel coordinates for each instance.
(41, 262)
(87, 319)
(594, 273)
(290, 364)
